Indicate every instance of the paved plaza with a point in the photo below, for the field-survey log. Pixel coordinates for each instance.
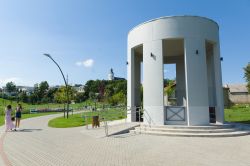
(39, 145)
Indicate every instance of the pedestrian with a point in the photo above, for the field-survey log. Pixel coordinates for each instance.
(18, 115)
(8, 122)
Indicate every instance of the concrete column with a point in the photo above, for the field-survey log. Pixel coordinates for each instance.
(219, 109)
(196, 82)
(211, 79)
(153, 83)
(180, 83)
(131, 115)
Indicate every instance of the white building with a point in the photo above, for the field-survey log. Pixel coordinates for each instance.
(111, 75)
(79, 88)
(190, 42)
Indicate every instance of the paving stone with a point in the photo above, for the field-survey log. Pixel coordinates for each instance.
(39, 145)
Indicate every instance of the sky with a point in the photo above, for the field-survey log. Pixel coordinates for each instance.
(88, 37)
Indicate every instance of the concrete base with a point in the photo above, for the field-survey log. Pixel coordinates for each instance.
(193, 131)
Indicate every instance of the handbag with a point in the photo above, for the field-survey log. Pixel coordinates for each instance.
(13, 118)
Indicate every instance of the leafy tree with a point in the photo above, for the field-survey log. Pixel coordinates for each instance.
(118, 98)
(11, 87)
(61, 95)
(40, 94)
(91, 86)
(92, 95)
(80, 97)
(50, 94)
(33, 98)
(108, 92)
(23, 97)
(43, 89)
(247, 76)
(113, 92)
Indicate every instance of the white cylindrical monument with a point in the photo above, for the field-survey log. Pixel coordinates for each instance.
(190, 42)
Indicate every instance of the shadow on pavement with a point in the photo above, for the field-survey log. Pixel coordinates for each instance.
(28, 130)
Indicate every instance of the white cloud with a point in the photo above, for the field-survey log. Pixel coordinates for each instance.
(87, 63)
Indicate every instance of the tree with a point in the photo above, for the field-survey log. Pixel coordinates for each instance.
(80, 96)
(11, 87)
(23, 97)
(247, 76)
(113, 92)
(60, 95)
(50, 94)
(43, 89)
(118, 98)
(33, 98)
(40, 94)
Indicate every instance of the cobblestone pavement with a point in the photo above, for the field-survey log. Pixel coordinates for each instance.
(38, 145)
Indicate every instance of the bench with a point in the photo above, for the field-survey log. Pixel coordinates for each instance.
(32, 111)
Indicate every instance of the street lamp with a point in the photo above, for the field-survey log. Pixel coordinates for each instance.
(66, 84)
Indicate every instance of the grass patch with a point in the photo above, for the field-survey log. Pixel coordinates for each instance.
(238, 113)
(78, 120)
(26, 116)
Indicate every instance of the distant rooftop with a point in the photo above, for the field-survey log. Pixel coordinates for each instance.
(237, 87)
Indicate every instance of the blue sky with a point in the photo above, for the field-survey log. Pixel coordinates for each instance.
(88, 37)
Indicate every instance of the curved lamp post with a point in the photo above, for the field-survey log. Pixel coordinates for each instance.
(66, 84)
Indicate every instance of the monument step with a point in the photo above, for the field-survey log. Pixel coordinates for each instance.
(187, 130)
(224, 134)
(212, 126)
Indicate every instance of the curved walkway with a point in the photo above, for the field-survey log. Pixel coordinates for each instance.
(37, 145)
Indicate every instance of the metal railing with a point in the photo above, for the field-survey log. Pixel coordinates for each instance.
(138, 115)
(175, 113)
(121, 112)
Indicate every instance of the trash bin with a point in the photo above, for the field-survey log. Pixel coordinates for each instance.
(95, 121)
(212, 115)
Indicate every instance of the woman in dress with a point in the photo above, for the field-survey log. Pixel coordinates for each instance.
(18, 115)
(8, 122)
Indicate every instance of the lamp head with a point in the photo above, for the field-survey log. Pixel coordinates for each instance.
(47, 55)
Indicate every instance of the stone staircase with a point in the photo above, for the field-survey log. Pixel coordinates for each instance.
(226, 130)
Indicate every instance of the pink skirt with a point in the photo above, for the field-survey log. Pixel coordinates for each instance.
(8, 123)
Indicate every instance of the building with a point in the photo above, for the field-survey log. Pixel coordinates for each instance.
(190, 42)
(27, 89)
(111, 76)
(79, 88)
(236, 94)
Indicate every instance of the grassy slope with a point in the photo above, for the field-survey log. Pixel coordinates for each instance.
(78, 120)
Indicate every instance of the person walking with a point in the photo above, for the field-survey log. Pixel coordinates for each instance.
(8, 122)
(18, 115)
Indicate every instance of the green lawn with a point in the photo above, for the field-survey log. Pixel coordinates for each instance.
(238, 113)
(25, 116)
(78, 120)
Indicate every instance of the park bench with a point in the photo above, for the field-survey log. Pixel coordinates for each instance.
(32, 111)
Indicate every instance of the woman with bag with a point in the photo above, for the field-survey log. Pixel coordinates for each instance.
(8, 122)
